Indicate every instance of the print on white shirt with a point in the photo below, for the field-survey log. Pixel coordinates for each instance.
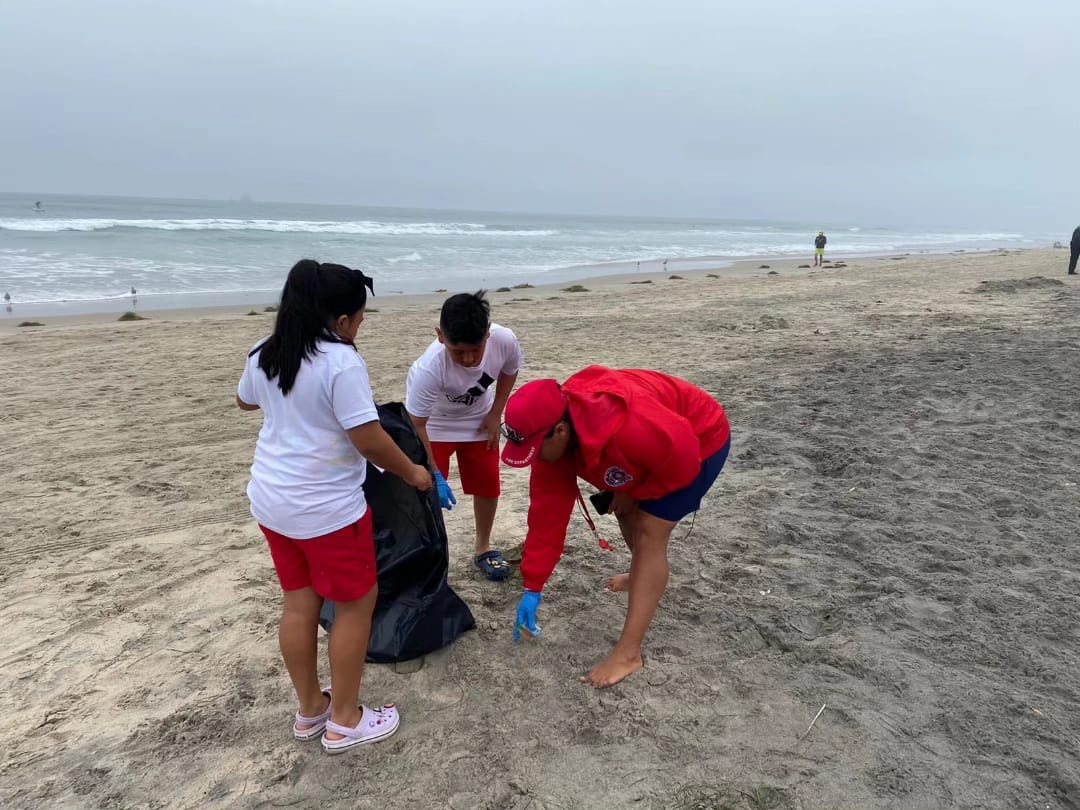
(474, 393)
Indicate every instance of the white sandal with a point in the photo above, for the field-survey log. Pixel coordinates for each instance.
(375, 725)
(313, 726)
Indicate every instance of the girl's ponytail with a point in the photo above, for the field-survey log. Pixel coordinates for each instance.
(315, 296)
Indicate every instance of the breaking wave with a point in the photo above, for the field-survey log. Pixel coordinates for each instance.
(361, 227)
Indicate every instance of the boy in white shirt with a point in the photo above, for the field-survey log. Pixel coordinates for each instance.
(456, 392)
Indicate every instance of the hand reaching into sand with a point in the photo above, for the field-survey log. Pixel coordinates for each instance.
(526, 616)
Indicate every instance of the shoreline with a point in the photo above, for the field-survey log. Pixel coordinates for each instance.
(244, 303)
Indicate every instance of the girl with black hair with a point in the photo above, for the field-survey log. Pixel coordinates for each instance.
(320, 428)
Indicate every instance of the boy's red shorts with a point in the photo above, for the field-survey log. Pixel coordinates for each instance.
(478, 467)
(339, 566)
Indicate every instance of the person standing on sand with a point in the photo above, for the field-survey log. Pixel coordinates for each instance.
(455, 394)
(319, 430)
(819, 248)
(1074, 251)
(657, 443)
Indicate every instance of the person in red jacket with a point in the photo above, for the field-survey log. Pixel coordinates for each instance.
(655, 441)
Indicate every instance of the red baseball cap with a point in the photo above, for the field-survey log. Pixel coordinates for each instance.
(531, 413)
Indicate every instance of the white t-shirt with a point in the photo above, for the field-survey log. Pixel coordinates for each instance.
(454, 399)
(307, 479)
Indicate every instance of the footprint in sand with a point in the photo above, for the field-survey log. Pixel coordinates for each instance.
(819, 622)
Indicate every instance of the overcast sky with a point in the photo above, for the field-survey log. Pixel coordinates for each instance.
(949, 112)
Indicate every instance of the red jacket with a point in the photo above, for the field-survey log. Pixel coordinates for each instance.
(639, 432)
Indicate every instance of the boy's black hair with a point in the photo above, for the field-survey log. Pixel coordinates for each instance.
(315, 295)
(465, 318)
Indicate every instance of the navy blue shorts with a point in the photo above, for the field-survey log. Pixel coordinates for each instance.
(682, 502)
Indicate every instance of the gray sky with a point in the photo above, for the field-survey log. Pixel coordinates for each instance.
(951, 112)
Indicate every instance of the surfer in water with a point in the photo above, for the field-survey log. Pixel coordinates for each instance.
(38, 206)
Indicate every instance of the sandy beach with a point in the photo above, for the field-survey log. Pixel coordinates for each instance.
(878, 607)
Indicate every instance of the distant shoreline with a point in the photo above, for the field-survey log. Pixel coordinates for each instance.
(191, 306)
(227, 301)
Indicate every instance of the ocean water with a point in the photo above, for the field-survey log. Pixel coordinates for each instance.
(83, 254)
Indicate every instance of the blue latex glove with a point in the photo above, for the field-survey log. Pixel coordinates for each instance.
(446, 495)
(526, 614)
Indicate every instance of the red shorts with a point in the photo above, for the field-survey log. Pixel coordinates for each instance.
(339, 566)
(478, 467)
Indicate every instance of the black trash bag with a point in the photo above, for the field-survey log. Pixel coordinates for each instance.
(416, 612)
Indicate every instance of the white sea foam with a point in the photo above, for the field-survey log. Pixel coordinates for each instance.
(100, 251)
(359, 227)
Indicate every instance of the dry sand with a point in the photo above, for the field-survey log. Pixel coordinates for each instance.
(896, 537)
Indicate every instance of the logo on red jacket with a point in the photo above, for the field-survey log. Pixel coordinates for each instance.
(617, 477)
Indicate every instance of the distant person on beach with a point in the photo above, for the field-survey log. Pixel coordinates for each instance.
(455, 393)
(319, 431)
(655, 442)
(819, 248)
(1074, 251)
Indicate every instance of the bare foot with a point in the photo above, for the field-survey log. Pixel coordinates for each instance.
(613, 669)
(618, 583)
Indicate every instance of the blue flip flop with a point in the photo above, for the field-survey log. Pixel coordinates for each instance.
(493, 566)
